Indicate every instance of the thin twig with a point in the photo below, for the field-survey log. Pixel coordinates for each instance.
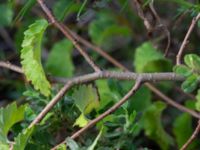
(106, 113)
(67, 34)
(151, 6)
(185, 41)
(11, 67)
(193, 136)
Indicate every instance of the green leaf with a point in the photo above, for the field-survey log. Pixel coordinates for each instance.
(6, 15)
(182, 70)
(193, 61)
(91, 147)
(153, 126)
(197, 104)
(72, 144)
(22, 139)
(149, 59)
(62, 147)
(64, 7)
(31, 56)
(86, 98)
(140, 100)
(81, 121)
(190, 83)
(81, 9)
(62, 53)
(8, 117)
(182, 128)
(29, 4)
(105, 29)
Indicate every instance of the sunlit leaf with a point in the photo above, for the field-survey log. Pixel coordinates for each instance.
(31, 56)
(81, 121)
(8, 117)
(149, 59)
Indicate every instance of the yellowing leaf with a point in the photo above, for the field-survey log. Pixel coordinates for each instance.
(81, 121)
(31, 56)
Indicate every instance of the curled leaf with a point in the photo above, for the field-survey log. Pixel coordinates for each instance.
(31, 56)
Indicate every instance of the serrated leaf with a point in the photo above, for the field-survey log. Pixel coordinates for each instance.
(31, 56)
(193, 61)
(146, 55)
(62, 53)
(81, 121)
(182, 128)
(72, 144)
(182, 70)
(86, 98)
(5, 15)
(190, 83)
(22, 139)
(153, 126)
(8, 117)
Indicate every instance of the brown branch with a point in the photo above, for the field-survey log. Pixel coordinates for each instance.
(67, 34)
(120, 76)
(151, 6)
(185, 41)
(11, 67)
(105, 75)
(193, 136)
(117, 64)
(106, 113)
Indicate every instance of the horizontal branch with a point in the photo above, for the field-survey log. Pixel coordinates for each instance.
(150, 77)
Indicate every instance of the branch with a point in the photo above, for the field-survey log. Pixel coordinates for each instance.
(185, 41)
(151, 6)
(193, 136)
(121, 76)
(149, 85)
(67, 34)
(106, 113)
(11, 67)
(105, 75)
